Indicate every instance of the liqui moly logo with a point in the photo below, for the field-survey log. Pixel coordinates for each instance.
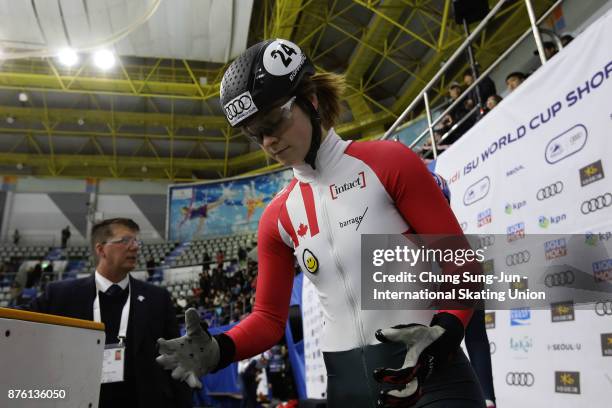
(336, 189)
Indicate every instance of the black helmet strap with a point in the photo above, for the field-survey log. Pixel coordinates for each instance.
(315, 120)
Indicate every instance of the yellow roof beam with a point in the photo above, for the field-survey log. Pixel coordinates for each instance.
(308, 27)
(375, 36)
(109, 86)
(58, 133)
(118, 117)
(285, 17)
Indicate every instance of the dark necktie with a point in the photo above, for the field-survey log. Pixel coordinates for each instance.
(114, 290)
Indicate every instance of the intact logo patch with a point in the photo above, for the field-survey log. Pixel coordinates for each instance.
(310, 261)
(335, 190)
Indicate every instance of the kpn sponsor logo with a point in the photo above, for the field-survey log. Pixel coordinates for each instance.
(593, 238)
(546, 221)
(513, 207)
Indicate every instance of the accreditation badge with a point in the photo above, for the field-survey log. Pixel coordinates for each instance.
(113, 364)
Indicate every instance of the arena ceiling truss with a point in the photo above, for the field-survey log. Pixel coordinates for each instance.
(159, 118)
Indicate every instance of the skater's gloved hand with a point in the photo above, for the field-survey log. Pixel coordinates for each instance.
(427, 347)
(191, 356)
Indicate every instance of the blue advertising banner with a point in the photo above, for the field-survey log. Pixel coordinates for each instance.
(222, 207)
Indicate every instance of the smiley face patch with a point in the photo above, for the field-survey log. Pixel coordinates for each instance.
(310, 261)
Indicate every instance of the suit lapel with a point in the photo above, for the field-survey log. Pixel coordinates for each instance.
(84, 298)
(138, 311)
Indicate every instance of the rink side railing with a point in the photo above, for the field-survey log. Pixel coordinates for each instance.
(423, 95)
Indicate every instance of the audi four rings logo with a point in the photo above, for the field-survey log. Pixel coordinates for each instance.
(237, 106)
(596, 203)
(603, 308)
(549, 191)
(518, 258)
(559, 279)
(521, 379)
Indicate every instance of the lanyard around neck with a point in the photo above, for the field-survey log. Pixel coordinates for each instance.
(125, 314)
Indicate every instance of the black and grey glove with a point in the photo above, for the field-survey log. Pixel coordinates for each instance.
(191, 356)
(426, 347)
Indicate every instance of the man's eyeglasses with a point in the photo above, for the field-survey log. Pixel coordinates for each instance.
(127, 241)
(269, 122)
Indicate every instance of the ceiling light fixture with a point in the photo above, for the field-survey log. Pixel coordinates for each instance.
(104, 59)
(68, 57)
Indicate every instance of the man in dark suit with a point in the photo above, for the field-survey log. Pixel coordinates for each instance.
(104, 297)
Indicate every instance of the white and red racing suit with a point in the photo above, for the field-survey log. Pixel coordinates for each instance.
(375, 187)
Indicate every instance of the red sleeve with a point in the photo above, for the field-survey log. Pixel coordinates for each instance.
(413, 190)
(265, 326)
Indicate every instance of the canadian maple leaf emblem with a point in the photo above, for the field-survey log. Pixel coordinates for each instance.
(302, 230)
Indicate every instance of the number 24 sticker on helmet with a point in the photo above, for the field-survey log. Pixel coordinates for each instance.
(280, 58)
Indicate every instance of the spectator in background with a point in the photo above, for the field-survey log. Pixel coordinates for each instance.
(34, 275)
(47, 274)
(231, 269)
(65, 236)
(219, 258)
(45, 280)
(204, 282)
(205, 260)
(550, 49)
(493, 101)
(16, 237)
(3, 270)
(566, 39)
(242, 255)
(15, 294)
(451, 120)
(276, 372)
(485, 88)
(247, 369)
(426, 150)
(48, 268)
(115, 245)
(514, 79)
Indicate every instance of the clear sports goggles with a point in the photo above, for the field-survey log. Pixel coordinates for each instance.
(267, 123)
